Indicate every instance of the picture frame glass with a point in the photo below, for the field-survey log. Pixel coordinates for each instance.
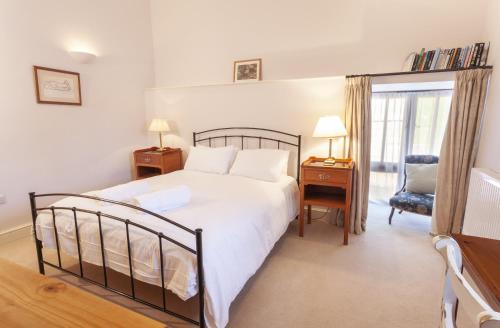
(248, 70)
(57, 87)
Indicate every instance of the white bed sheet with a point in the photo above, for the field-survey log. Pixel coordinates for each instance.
(241, 218)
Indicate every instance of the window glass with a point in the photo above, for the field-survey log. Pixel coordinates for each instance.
(404, 123)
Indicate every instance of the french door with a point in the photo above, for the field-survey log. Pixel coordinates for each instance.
(404, 123)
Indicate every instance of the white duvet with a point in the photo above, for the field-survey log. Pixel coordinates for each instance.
(241, 218)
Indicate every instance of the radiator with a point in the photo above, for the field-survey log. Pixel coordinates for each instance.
(482, 212)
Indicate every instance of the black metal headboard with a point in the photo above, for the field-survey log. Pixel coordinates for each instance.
(211, 136)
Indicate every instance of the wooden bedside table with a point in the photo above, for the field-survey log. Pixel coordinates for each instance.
(149, 162)
(328, 186)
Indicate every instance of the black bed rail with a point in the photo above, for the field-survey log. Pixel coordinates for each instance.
(215, 134)
(196, 233)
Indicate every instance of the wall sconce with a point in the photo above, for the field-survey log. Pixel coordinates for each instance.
(82, 57)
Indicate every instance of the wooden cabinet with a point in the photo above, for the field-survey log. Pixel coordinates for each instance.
(328, 186)
(481, 258)
(150, 161)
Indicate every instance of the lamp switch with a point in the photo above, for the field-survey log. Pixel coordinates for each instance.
(2, 199)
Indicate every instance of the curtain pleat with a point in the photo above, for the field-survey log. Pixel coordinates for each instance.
(459, 150)
(358, 94)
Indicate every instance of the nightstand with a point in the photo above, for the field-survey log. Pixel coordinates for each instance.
(328, 186)
(150, 161)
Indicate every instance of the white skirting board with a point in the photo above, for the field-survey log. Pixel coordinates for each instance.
(18, 232)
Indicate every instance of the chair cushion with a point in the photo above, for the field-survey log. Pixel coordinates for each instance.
(410, 202)
(421, 178)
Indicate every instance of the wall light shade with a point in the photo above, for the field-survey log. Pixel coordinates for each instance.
(159, 125)
(329, 127)
(82, 57)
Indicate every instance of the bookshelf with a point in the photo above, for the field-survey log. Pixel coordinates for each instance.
(423, 72)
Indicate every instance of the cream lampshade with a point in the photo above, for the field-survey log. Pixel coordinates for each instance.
(159, 125)
(329, 127)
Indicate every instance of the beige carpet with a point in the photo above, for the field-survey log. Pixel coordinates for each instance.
(388, 277)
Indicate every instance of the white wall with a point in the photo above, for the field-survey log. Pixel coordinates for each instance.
(291, 106)
(197, 41)
(47, 148)
(489, 150)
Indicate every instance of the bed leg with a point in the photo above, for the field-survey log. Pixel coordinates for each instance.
(38, 243)
(201, 278)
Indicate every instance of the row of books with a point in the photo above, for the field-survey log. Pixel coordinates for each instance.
(475, 55)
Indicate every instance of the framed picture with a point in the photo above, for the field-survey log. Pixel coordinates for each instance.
(55, 86)
(247, 70)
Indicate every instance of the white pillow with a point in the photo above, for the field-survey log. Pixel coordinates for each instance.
(421, 178)
(261, 164)
(212, 160)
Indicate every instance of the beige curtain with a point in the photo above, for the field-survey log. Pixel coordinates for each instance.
(459, 149)
(358, 93)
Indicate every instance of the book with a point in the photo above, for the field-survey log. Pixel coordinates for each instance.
(484, 57)
(462, 57)
(479, 53)
(468, 56)
(415, 62)
(457, 58)
(409, 62)
(442, 59)
(446, 54)
(428, 62)
(453, 61)
(437, 54)
(422, 61)
(450, 59)
(474, 54)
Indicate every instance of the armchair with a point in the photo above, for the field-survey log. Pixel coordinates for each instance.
(409, 201)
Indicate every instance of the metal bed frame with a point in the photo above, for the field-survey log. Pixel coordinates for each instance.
(197, 233)
(197, 138)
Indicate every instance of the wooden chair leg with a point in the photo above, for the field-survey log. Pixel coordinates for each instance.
(390, 216)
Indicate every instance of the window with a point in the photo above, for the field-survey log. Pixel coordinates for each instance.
(404, 123)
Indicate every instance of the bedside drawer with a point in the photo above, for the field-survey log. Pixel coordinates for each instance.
(326, 176)
(148, 159)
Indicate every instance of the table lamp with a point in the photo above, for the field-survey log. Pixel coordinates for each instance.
(159, 125)
(329, 127)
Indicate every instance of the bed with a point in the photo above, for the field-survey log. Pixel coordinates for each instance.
(206, 249)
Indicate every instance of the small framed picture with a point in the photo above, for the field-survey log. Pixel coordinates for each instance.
(247, 70)
(55, 86)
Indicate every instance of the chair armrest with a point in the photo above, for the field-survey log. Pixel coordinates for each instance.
(488, 319)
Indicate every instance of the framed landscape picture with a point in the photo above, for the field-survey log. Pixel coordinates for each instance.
(55, 86)
(247, 70)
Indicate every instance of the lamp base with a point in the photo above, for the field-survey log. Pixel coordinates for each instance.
(330, 161)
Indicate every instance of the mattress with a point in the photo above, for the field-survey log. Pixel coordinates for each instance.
(241, 218)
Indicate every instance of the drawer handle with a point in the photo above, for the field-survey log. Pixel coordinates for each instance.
(147, 159)
(324, 176)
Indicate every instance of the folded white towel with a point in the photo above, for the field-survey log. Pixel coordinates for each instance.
(165, 199)
(123, 192)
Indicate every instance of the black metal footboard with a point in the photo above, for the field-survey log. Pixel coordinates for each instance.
(196, 233)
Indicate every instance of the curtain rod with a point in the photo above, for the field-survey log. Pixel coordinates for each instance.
(412, 91)
(421, 72)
